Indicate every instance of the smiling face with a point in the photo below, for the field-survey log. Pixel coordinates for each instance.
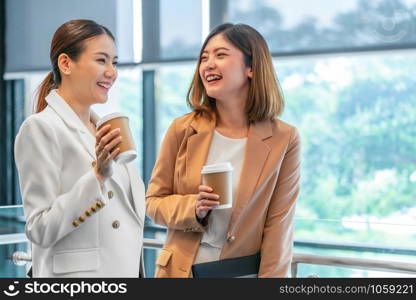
(223, 71)
(94, 72)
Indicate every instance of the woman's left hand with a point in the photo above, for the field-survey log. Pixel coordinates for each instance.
(205, 201)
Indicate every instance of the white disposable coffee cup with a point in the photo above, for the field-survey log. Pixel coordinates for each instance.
(220, 178)
(128, 151)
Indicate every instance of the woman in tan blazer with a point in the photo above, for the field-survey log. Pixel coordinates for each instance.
(236, 100)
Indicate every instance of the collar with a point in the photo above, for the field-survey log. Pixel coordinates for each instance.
(67, 114)
(260, 130)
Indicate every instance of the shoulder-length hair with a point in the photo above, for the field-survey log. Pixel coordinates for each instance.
(265, 98)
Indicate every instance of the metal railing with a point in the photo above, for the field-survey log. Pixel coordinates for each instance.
(349, 262)
(20, 258)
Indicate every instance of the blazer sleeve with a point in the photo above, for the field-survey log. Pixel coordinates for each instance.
(162, 205)
(277, 243)
(49, 212)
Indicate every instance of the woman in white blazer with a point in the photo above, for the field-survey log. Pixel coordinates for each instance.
(84, 213)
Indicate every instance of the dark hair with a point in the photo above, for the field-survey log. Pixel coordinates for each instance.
(265, 98)
(69, 38)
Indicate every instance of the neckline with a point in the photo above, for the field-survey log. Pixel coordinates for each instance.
(228, 138)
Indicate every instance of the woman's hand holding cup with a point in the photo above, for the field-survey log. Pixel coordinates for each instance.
(106, 150)
(205, 201)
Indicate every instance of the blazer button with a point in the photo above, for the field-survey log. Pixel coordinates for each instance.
(88, 212)
(110, 194)
(93, 164)
(99, 204)
(93, 208)
(231, 238)
(75, 223)
(81, 218)
(116, 224)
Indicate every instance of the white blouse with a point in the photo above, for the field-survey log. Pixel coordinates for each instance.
(222, 149)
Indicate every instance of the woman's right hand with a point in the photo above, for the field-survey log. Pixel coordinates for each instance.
(205, 201)
(106, 150)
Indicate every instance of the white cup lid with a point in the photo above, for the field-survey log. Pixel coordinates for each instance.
(214, 168)
(109, 117)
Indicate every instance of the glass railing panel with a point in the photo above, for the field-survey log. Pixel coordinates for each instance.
(12, 220)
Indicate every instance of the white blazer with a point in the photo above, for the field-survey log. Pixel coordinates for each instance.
(71, 235)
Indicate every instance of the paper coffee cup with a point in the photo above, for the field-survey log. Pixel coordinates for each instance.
(128, 151)
(220, 178)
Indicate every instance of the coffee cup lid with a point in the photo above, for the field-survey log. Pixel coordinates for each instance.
(214, 168)
(109, 117)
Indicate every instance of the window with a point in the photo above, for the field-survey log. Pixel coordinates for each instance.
(356, 118)
(180, 28)
(172, 85)
(299, 25)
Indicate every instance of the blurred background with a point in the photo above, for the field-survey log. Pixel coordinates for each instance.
(347, 70)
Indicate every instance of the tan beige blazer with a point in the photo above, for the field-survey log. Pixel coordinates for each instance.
(263, 210)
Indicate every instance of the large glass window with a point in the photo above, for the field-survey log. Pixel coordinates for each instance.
(356, 118)
(172, 86)
(180, 28)
(299, 25)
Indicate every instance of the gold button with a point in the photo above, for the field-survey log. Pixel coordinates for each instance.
(93, 208)
(99, 204)
(81, 218)
(116, 224)
(88, 212)
(93, 164)
(75, 223)
(110, 194)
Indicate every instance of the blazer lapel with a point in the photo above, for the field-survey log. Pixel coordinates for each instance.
(65, 112)
(87, 140)
(257, 152)
(197, 149)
